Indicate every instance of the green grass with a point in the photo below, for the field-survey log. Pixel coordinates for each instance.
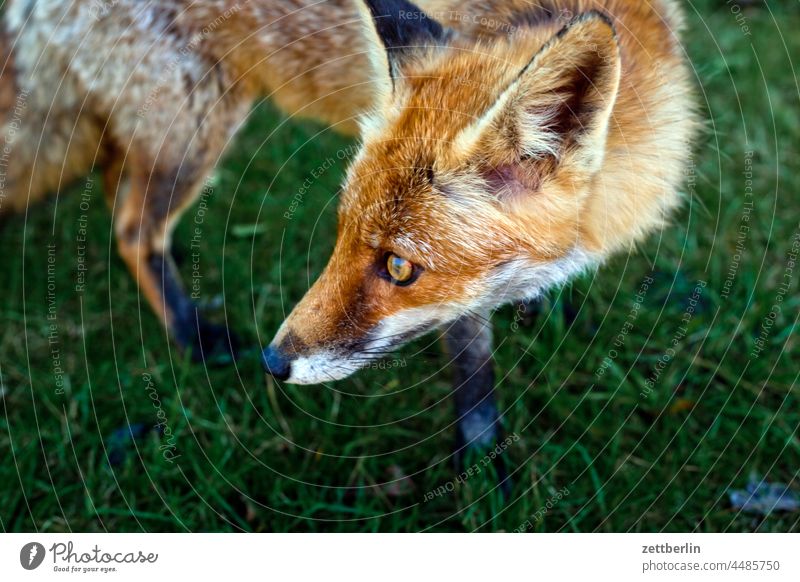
(257, 456)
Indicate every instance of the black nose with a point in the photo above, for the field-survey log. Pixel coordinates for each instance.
(276, 363)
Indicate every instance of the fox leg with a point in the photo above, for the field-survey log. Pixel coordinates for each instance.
(469, 343)
(113, 173)
(145, 217)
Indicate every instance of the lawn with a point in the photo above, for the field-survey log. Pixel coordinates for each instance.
(637, 397)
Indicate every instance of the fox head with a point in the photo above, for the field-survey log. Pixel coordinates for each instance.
(467, 191)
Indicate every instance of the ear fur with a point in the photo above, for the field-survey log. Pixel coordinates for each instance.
(394, 31)
(559, 104)
(400, 27)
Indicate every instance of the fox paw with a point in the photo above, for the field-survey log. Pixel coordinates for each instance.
(486, 452)
(212, 344)
(215, 344)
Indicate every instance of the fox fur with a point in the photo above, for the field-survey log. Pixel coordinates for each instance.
(511, 147)
(506, 146)
(151, 93)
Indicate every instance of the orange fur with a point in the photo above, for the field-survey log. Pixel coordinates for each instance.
(502, 160)
(531, 141)
(151, 93)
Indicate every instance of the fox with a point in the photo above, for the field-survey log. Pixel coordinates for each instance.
(505, 147)
(511, 147)
(149, 94)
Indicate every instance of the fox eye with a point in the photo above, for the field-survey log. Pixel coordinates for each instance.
(398, 270)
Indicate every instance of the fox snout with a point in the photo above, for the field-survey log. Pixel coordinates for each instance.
(334, 355)
(276, 362)
(286, 365)
(290, 359)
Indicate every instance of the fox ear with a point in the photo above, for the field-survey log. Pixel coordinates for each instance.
(559, 104)
(400, 27)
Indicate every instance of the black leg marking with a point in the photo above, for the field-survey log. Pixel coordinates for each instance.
(214, 344)
(469, 342)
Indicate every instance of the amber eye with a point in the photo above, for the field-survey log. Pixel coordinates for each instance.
(399, 269)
